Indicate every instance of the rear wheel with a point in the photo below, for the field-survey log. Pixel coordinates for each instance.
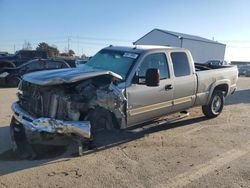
(215, 105)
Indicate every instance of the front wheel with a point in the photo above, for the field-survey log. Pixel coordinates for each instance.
(19, 140)
(215, 105)
(103, 125)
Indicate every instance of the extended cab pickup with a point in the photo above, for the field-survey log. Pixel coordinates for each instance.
(117, 88)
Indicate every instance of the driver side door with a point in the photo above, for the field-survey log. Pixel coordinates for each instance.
(144, 102)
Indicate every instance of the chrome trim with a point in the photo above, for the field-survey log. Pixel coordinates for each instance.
(149, 108)
(158, 106)
(183, 100)
(50, 125)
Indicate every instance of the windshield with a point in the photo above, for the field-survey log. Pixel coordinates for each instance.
(116, 61)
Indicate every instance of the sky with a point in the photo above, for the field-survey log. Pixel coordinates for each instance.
(89, 25)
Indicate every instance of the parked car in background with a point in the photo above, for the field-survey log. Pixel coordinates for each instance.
(11, 76)
(70, 61)
(21, 57)
(2, 54)
(247, 74)
(243, 69)
(218, 62)
(80, 62)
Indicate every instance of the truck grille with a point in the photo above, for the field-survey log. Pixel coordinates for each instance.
(40, 101)
(49, 101)
(34, 101)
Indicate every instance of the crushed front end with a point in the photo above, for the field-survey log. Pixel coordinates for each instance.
(49, 114)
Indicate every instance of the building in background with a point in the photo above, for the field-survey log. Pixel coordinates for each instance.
(202, 49)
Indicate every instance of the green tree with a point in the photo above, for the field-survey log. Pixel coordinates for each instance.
(51, 50)
(71, 53)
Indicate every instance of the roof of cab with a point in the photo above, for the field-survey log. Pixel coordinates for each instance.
(139, 48)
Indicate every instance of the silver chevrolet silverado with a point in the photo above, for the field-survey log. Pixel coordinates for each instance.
(119, 87)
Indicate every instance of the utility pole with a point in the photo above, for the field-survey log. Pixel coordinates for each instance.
(78, 45)
(68, 43)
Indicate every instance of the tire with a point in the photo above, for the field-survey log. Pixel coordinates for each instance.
(13, 82)
(215, 105)
(103, 125)
(19, 140)
(100, 119)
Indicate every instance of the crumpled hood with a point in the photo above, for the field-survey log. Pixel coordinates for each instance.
(68, 75)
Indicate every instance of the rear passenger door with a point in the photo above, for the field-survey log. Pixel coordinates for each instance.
(184, 81)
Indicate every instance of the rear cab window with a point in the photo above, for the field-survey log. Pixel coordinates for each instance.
(181, 64)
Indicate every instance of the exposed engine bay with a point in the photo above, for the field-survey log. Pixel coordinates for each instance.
(72, 101)
(50, 114)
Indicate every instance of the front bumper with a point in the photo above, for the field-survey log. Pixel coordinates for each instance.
(50, 125)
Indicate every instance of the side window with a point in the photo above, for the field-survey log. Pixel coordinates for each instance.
(64, 65)
(157, 61)
(35, 65)
(51, 64)
(55, 64)
(180, 64)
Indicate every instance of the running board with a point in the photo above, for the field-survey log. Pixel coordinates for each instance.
(182, 115)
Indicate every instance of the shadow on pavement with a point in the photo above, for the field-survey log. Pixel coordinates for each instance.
(241, 96)
(4, 138)
(10, 162)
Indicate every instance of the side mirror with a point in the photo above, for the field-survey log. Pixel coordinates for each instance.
(153, 77)
(135, 79)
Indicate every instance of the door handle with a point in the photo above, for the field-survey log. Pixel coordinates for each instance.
(168, 87)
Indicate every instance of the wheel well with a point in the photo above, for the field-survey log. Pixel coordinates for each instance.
(223, 88)
(112, 114)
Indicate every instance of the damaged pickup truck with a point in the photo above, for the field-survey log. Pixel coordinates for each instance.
(119, 87)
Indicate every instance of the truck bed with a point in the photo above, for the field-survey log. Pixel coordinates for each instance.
(204, 67)
(208, 76)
